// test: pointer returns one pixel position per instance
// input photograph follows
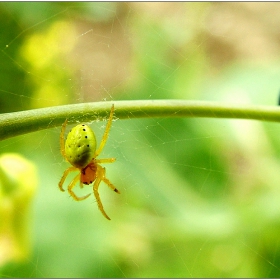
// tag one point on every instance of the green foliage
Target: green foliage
(18, 182)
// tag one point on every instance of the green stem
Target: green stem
(17, 123)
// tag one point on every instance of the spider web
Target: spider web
(199, 197)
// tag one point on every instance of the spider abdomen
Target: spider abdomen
(80, 145)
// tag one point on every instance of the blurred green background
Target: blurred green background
(199, 197)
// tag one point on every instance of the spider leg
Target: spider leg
(106, 181)
(106, 133)
(96, 194)
(65, 174)
(105, 160)
(62, 144)
(72, 185)
(110, 185)
(101, 177)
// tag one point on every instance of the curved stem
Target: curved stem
(17, 123)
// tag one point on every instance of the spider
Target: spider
(80, 151)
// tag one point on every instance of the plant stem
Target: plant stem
(17, 123)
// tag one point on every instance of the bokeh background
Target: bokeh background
(199, 197)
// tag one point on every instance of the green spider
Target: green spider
(80, 151)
